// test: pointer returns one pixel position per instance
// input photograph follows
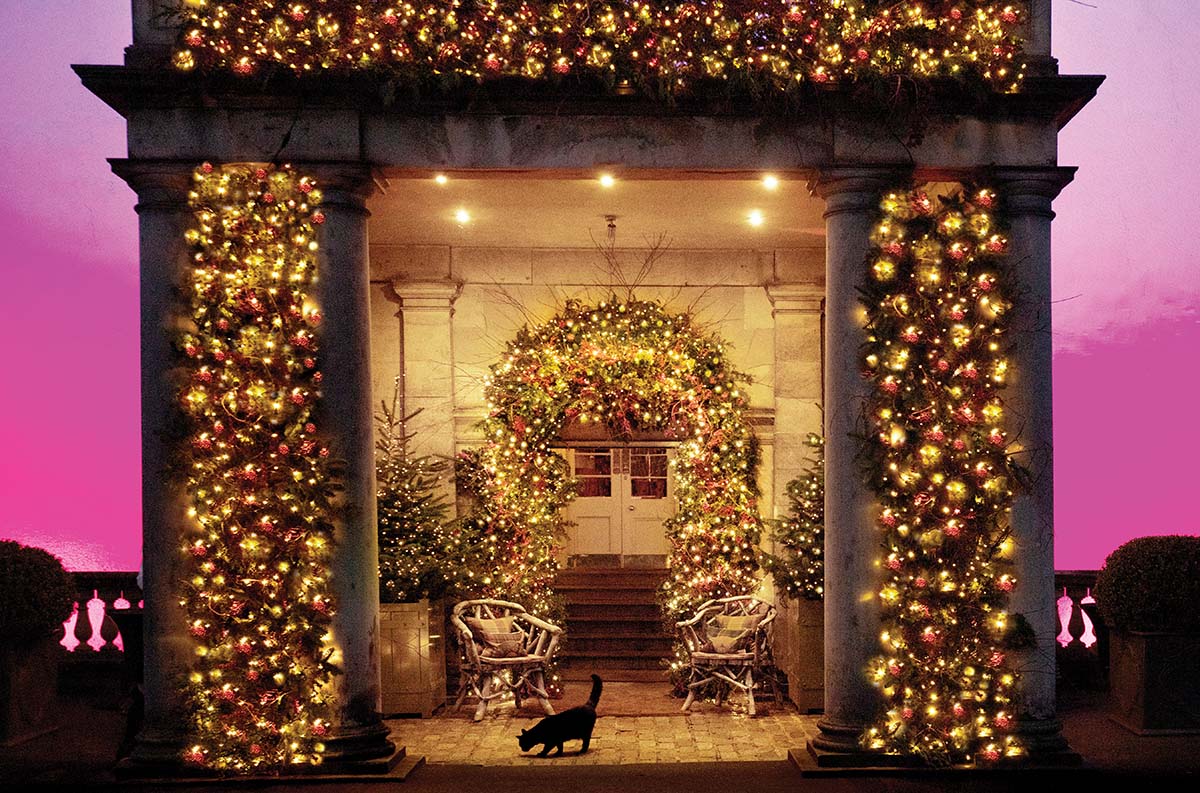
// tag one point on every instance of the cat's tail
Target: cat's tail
(597, 687)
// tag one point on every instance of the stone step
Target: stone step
(604, 626)
(615, 659)
(621, 611)
(614, 596)
(610, 578)
(579, 672)
(605, 645)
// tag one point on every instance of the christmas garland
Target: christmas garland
(667, 47)
(627, 365)
(257, 593)
(937, 300)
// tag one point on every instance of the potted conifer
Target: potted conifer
(37, 598)
(1148, 592)
(797, 566)
(419, 555)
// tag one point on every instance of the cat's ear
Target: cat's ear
(522, 733)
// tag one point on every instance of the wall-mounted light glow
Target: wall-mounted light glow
(755, 218)
(462, 217)
(770, 181)
(441, 178)
(607, 180)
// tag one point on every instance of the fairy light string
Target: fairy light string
(258, 545)
(667, 47)
(938, 297)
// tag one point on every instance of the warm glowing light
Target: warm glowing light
(462, 217)
(770, 182)
(441, 179)
(755, 218)
(941, 477)
(607, 180)
(671, 47)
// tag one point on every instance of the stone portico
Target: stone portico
(397, 304)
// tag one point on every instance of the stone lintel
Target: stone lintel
(427, 295)
(795, 298)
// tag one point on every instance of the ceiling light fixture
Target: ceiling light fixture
(462, 217)
(441, 178)
(607, 180)
(770, 181)
(755, 218)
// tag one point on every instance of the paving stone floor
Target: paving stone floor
(706, 734)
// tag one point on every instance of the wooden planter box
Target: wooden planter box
(29, 690)
(412, 650)
(1155, 688)
(799, 649)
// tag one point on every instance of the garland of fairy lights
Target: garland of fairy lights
(627, 365)
(937, 300)
(257, 593)
(667, 47)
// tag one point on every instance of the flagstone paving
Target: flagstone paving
(707, 734)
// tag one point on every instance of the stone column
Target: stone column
(797, 310)
(427, 353)
(1038, 54)
(163, 218)
(342, 291)
(852, 546)
(1026, 197)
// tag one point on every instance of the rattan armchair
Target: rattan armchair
(731, 660)
(516, 661)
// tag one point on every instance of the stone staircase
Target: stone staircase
(614, 625)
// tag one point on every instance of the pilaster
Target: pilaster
(1027, 196)
(163, 218)
(851, 545)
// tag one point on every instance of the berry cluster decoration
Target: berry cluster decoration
(937, 299)
(627, 365)
(665, 47)
(798, 562)
(258, 476)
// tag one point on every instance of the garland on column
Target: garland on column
(257, 593)
(937, 301)
(667, 47)
(627, 365)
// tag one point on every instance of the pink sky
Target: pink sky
(1126, 275)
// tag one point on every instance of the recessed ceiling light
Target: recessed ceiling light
(462, 217)
(441, 178)
(770, 181)
(607, 180)
(755, 218)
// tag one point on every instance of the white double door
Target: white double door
(625, 494)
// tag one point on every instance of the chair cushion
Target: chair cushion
(727, 633)
(497, 636)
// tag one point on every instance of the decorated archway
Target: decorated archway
(628, 365)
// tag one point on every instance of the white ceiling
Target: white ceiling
(520, 211)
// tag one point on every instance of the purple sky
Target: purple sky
(1126, 275)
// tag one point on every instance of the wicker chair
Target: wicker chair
(728, 643)
(511, 661)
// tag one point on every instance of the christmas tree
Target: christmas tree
(798, 563)
(420, 550)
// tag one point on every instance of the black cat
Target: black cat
(573, 724)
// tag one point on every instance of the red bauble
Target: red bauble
(269, 198)
(310, 427)
(894, 670)
(283, 448)
(561, 67)
(260, 174)
(206, 167)
(959, 710)
(920, 582)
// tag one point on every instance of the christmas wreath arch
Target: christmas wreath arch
(628, 365)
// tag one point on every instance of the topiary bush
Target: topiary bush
(1152, 584)
(37, 593)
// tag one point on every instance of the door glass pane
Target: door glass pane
(648, 472)
(593, 470)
